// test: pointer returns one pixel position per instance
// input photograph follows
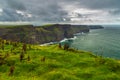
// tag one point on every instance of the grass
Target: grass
(14, 26)
(53, 63)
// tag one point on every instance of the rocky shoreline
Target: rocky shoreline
(43, 34)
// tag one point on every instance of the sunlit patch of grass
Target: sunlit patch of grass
(53, 63)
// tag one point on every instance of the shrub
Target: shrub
(11, 71)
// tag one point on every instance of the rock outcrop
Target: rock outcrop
(42, 34)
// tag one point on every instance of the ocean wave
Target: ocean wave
(94, 34)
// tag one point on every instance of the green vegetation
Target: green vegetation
(47, 25)
(40, 34)
(14, 26)
(20, 61)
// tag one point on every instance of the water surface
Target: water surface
(104, 42)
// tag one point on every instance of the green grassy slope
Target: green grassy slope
(53, 63)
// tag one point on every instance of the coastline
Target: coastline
(43, 34)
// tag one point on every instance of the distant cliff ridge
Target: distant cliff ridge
(43, 34)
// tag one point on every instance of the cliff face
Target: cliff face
(95, 27)
(41, 34)
(57, 32)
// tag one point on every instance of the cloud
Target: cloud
(97, 4)
(59, 10)
(16, 4)
(114, 11)
(94, 4)
(36, 10)
(13, 15)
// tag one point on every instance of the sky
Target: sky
(60, 11)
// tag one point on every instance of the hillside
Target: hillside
(42, 34)
(20, 61)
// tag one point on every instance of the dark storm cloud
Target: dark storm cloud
(45, 10)
(114, 12)
(12, 15)
(16, 4)
(112, 6)
(52, 10)
(95, 4)
(100, 4)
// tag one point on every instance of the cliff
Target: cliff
(41, 34)
(95, 26)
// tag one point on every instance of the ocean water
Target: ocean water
(105, 42)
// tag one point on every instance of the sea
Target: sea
(104, 42)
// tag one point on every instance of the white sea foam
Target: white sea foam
(73, 38)
(50, 43)
(65, 39)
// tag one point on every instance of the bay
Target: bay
(105, 42)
